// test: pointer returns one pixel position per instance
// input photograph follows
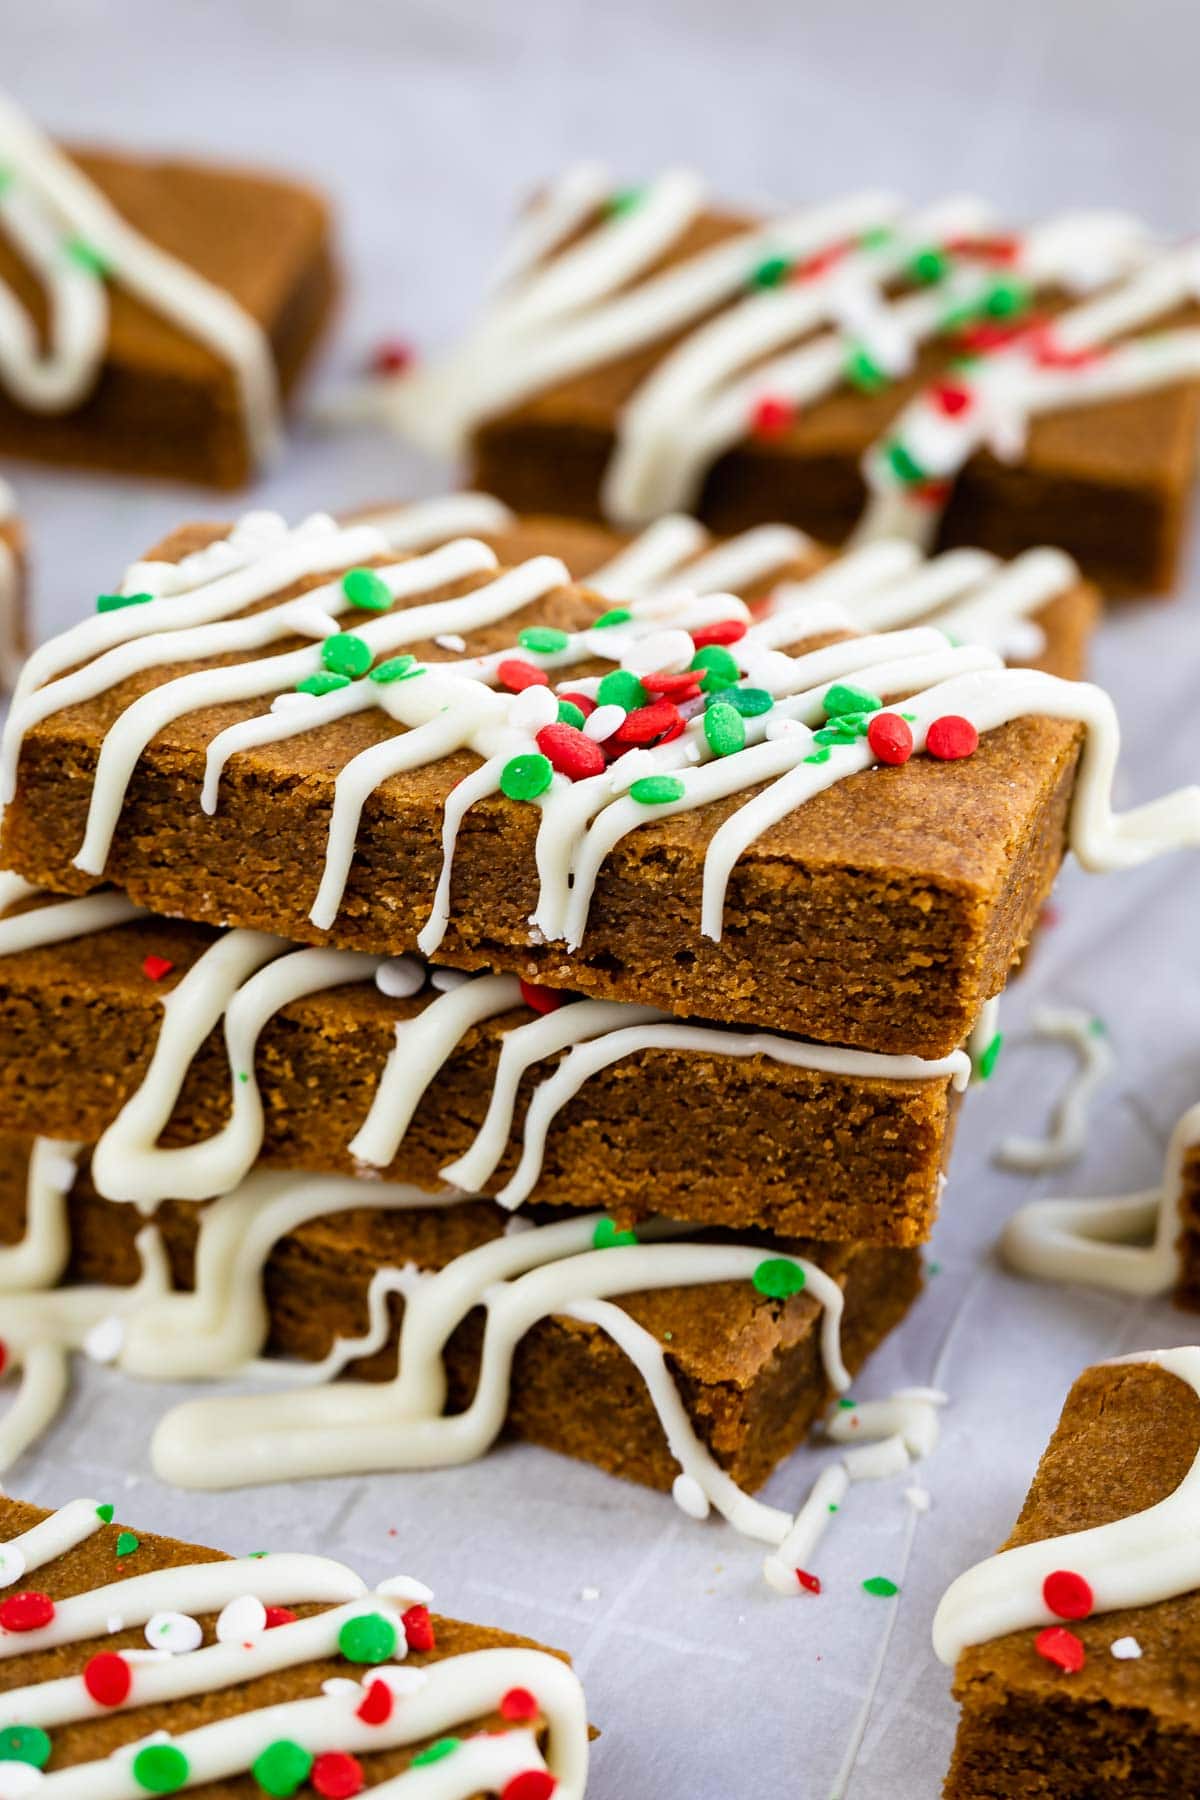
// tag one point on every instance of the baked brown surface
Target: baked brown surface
(787, 1149)
(1109, 482)
(165, 404)
(749, 1369)
(95, 1564)
(881, 914)
(1127, 1437)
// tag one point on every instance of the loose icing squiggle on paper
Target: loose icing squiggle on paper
(1066, 1140)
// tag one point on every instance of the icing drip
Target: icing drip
(1136, 1561)
(74, 241)
(1068, 1135)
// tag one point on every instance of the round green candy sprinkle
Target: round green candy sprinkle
(778, 1278)
(616, 615)
(346, 654)
(525, 777)
(771, 271)
(282, 1768)
(127, 1543)
(25, 1744)
(928, 266)
(365, 589)
(86, 256)
(724, 729)
(368, 1638)
(396, 668)
(606, 1235)
(160, 1768)
(843, 698)
(570, 714)
(1006, 299)
(880, 1586)
(656, 790)
(903, 464)
(323, 682)
(864, 373)
(620, 687)
(715, 659)
(106, 603)
(435, 1752)
(105, 1512)
(749, 701)
(543, 640)
(990, 1056)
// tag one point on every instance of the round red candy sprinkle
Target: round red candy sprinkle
(1060, 1647)
(107, 1678)
(571, 752)
(723, 631)
(375, 1707)
(516, 675)
(279, 1615)
(418, 1628)
(3, 1356)
(518, 1706)
(951, 397)
(584, 702)
(392, 357)
(27, 1611)
(530, 1784)
(1067, 1594)
(771, 416)
(951, 737)
(668, 686)
(889, 737)
(646, 724)
(541, 999)
(336, 1775)
(810, 1583)
(155, 967)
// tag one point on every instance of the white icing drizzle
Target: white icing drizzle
(40, 1257)
(1095, 1063)
(1140, 1560)
(60, 224)
(51, 1537)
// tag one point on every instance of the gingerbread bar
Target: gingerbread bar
(166, 308)
(742, 1324)
(13, 634)
(852, 366)
(132, 1664)
(1073, 1648)
(753, 836)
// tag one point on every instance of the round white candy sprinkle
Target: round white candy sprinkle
(601, 724)
(12, 1564)
(104, 1342)
(450, 640)
(630, 768)
(665, 651)
(532, 708)
(446, 980)
(589, 1593)
(690, 1497)
(340, 1684)
(175, 1631)
(18, 1779)
(404, 1587)
(245, 1617)
(1126, 1649)
(400, 976)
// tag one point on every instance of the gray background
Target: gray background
(424, 122)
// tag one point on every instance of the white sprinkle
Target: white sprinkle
(245, 1617)
(532, 708)
(450, 640)
(1126, 1649)
(403, 1587)
(401, 1681)
(668, 651)
(589, 1593)
(446, 980)
(341, 1684)
(113, 1624)
(601, 724)
(290, 702)
(918, 1498)
(690, 1497)
(104, 1342)
(175, 1632)
(18, 1779)
(12, 1564)
(631, 767)
(400, 976)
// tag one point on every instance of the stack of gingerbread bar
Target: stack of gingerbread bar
(604, 922)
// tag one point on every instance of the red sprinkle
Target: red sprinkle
(951, 397)
(107, 1678)
(541, 999)
(279, 1615)
(951, 737)
(418, 1628)
(156, 967)
(646, 724)
(771, 416)
(988, 334)
(1067, 1594)
(27, 1611)
(683, 686)
(1048, 353)
(820, 262)
(375, 1707)
(889, 737)
(3, 1356)
(392, 357)
(516, 675)
(722, 631)
(584, 702)
(518, 1706)
(810, 1583)
(1061, 1647)
(530, 1784)
(930, 493)
(571, 752)
(337, 1775)
(1000, 248)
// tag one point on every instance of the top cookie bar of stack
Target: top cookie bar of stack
(846, 836)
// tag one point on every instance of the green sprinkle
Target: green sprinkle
(368, 1638)
(323, 682)
(846, 1404)
(928, 266)
(749, 701)
(778, 1278)
(525, 777)
(843, 698)
(160, 1768)
(616, 615)
(986, 1063)
(840, 732)
(396, 668)
(668, 1337)
(127, 1543)
(1006, 299)
(365, 589)
(724, 729)
(441, 1747)
(819, 756)
(833, 1506)
(543, 640)
(624, 201)
(1097, 1028)
(346, 654)
(570, 714)
(105, 1512)
(880, 1585)
(117, 602)
(935, 1268)
(771, 271)
(606, 1235)
(656, 790)
(903, 464)
(26, 1744)
(86, 256)
(864, 373)
(620, 687)
(282, 1768)
(876, 238)
(718, 668)
(911, 717)
(255, 1554)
